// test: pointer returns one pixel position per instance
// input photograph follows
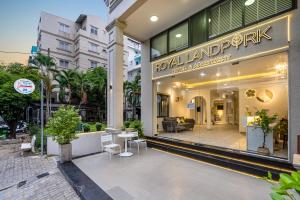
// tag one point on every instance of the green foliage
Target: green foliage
(132, 93)
(86, 128)
(12, 103)
(62, 126)
(137, 125)
(288, 186)
(263, 121)
(126, 124)
(98, 126)
(36, 130)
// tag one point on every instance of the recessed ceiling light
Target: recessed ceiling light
(202, 74)
(178, 35)
(249, 2)
(218, 74)
(153, 18)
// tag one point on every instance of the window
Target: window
(94, 64)
(179, 37)
(163, 105)
(77, 46)
(261, 9)
(225, 17)
(77, 62)
(93, 47)
(159, 46)
(198, 28)
(64, 45)
(64, 63)
(64, 28)
(94, 30)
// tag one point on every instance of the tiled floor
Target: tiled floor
(226, 136)
(156, 175)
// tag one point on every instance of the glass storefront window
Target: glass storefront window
(163, 105)
(159, 46)
(179, 37)
(218, 105)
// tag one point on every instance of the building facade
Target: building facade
(74, 45)
(211, 70)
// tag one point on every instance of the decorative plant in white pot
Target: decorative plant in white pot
(62, 127)
(264, 121)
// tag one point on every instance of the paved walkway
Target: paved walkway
(156, 175)
(32, 178)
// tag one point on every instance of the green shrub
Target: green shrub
(138, 126)
(34, 129)
(86, 128)
(98, 126)
(62, 126)
(127, 124)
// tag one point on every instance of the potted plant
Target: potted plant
(264, 121)
(62, 127)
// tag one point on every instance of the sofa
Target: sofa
(177, 124)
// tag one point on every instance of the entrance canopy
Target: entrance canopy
(168, 12)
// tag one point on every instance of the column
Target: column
(115, 74)
(147, 96)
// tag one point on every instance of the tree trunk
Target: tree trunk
(47, 106)
(12, 128)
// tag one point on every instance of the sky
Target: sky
(19, 22)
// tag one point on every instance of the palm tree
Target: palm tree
(133, 92)
(82, 86)
(66, 81)
(47, 68)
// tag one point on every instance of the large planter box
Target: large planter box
(255, 139)
(87, 143)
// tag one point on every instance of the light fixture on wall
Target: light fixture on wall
(249, 2)
(218, 74)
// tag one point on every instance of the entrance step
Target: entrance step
(230, 159)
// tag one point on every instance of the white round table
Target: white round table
(126, 136)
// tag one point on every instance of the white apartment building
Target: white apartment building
(79, 44)
(133, 50)
(82, 44)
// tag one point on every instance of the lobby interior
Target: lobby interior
(216, 105)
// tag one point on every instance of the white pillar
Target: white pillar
(147, 101)
(115, 74)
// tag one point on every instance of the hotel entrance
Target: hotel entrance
(220, 105)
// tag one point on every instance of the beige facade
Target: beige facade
(81, 44)
(132, 18)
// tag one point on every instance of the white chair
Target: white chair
(108, 145)
(136, 140)
(28, 146)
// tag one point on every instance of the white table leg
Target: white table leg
(126, 153)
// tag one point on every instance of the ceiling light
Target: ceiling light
(218, 74)
(178, 35)
(202, 74)
(153, 18)
(249, 2)
(209, 20)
